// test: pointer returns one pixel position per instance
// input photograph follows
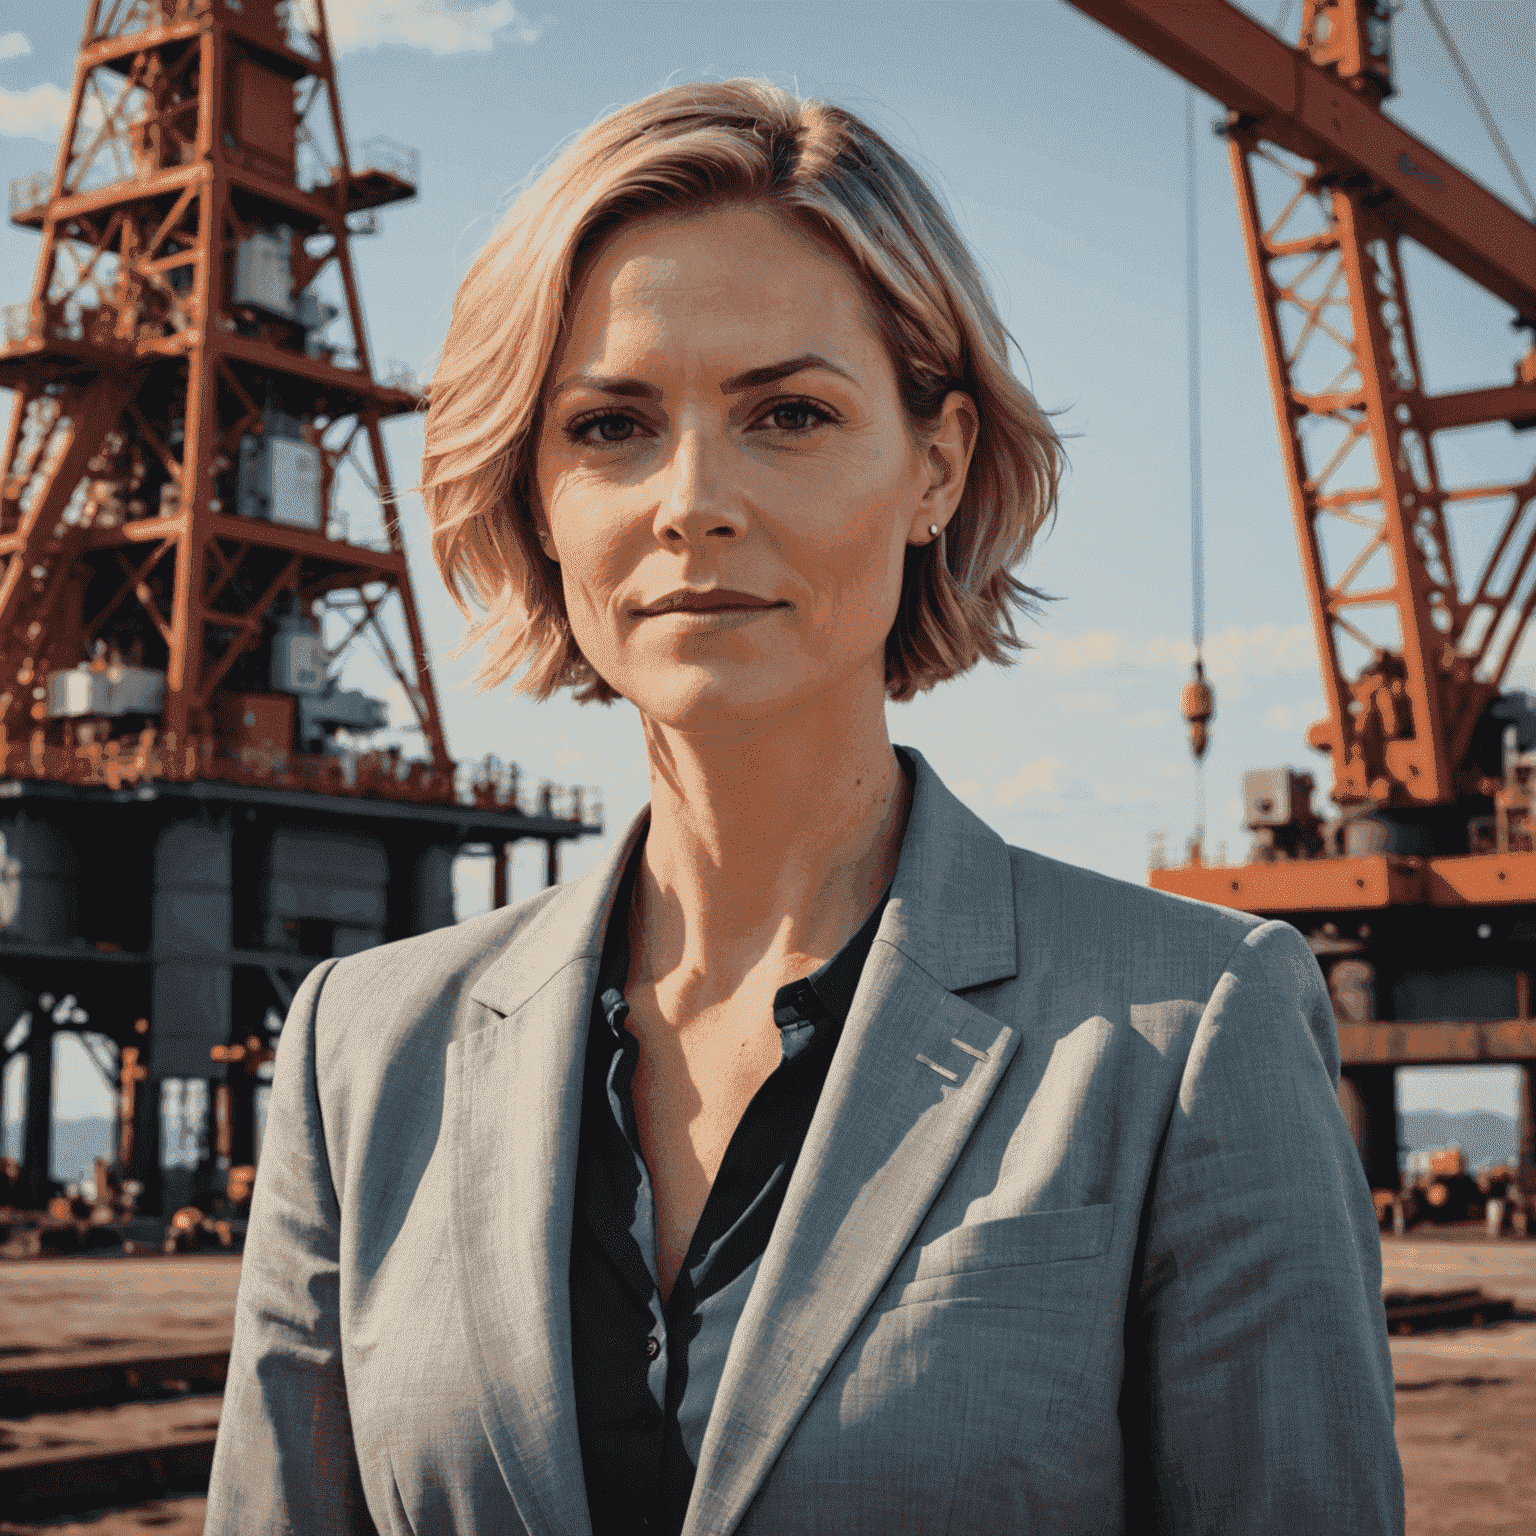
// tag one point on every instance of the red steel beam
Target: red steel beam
(356, 382)
(1305, 108)
(1475, 407)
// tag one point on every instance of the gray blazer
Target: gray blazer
(1078, 1242)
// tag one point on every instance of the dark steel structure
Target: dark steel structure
(191, 811)
(1420, 895)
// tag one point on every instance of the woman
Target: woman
(819, 1162)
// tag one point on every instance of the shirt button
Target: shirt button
(652, 1347)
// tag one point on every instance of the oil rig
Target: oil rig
(192, 813)
(1418, 893)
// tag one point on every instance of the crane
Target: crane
(193, 811)
(1419, 895)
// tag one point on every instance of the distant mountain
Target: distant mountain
(1485, 1137)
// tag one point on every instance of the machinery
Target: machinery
(193, 809)
(1419, 893)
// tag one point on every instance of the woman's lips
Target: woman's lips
(716, 600)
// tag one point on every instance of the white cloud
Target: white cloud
(13, 45)
(1266, 650)
(432, 25)
(1261, 650)
(36, 113)
(1069, 653)
(1034, 778)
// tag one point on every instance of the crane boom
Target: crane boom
(1308, 109)
(1412, 649)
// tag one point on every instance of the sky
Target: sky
(1060, 152)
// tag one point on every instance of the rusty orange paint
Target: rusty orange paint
(203, 158)
(1303, 885)
(1487, 879)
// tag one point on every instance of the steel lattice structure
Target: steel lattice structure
(191, 818)
(1432, 644)
(139, 373)
(1419, 897)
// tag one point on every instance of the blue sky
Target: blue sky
(1061, 153)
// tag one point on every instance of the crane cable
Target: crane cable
(1510, 164)
(1198, 701)
(1192, 327)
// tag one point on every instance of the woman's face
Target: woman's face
(725, 472)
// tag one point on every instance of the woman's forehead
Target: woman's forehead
(713, 283)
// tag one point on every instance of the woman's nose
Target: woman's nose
(697, 501)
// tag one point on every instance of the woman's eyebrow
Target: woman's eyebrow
(772, 372)
(753, 378)
(636, 389)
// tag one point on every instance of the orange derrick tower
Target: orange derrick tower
(192, 811)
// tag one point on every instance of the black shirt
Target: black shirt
(646, 1374)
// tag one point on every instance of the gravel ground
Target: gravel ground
(1466, 1398)
(180, 1515)
(54, 1310)
(1467, 1434)
(113, 1427)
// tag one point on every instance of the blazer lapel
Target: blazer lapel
(516, 1104)
(899, 1103)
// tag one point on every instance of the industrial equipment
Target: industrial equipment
(193, 810)
(1419, 895)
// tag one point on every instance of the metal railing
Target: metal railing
(493, 784)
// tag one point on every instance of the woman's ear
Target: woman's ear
(948, 461)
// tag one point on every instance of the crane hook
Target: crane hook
(1197, 702)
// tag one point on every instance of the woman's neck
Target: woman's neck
(768, 845)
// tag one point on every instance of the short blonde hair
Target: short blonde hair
(680, 151)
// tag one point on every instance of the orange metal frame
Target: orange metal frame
(1358, 884)
(1412, 651)
(133, 367)
(1360, 452)
(1430, 644)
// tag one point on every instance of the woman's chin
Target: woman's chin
(698, 700)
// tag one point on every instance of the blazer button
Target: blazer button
(652, 1347)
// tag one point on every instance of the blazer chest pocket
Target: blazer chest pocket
(975, 1261)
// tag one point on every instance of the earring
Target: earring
(933, 530)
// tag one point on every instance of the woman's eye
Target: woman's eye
(603, 429)
(796, 416)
